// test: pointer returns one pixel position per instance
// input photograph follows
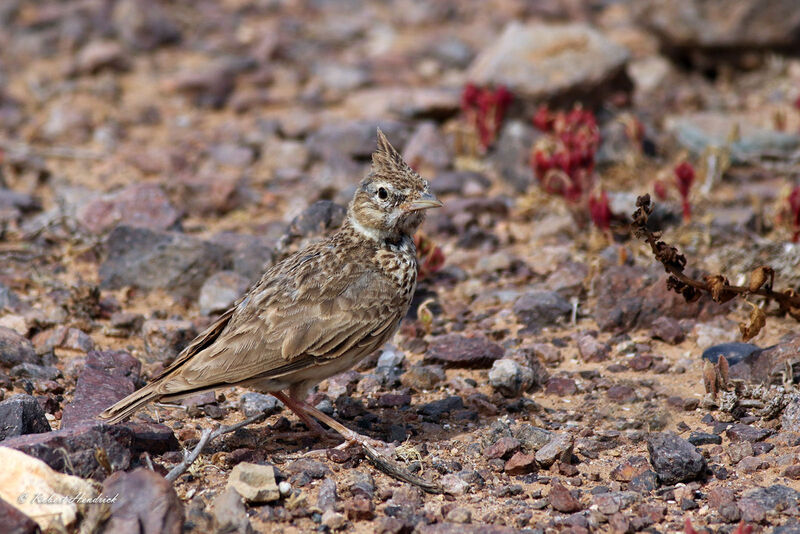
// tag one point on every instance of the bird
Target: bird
(316, 313)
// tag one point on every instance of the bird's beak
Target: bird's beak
(425, 201)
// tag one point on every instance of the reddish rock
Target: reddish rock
(520, 464)
(142, 205)
(394, 400)
(72, 450)
(793, 472)
(592, 350)
(15, 522)
(629, 469)
(640, 362)
(107, 377)
(145, 503)
(720, 496)
(502, 448)
(741, 432)
(751, 464)
(667, 329)
(632, 297)
(561, 386)
(62, 337)
(454, 350)
(562, 500)
(621, 394)
(359, 508)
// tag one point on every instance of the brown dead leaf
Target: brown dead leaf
(757, 321)
(718, 286)
(759, 276)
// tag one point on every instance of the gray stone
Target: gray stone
(340, 78)
(253, 403)
(452, 52)
(667, 329)
(31, 370)
(701, 130)
(719, 25)
(790, 419)
(359, 483)
(316, 219)
(454, 485)
(545, 61)
(538, 309)
(144, 24)
(15, 348)
(426, 148)
(256, 483)
(232, 154)
(97, 56)
(757, 502)
(558, 448)
(326, 498)
(8, 301)
(673, 458)
(423, 377)
(18, 202)
(21, 414)
(230, 514)
(142, 258)
(532, 438)
(459, 182)
(251, 255)
(356, 138)
(390, 357)
(221, 290)
(510, 378)
(166, 338)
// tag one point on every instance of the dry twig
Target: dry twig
(208, 435)
(761, 279)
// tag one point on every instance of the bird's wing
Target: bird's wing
(293, 323)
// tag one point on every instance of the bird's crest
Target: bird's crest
(387, 161)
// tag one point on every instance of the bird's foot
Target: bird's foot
(376, 445)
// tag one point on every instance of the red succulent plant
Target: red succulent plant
(484, 109)
(684, 178)
(564, 160)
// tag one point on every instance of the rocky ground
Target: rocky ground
(155, 156)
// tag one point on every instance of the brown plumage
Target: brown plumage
(319, 311)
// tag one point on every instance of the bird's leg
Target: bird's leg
(306, 411)
(298, 408)
(378, 452)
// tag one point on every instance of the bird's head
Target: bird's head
(391, 201)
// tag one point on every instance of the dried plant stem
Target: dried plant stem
(721, 291)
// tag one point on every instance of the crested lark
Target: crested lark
(316, 313)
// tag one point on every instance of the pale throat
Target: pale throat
(373, 234)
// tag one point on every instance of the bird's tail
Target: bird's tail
(130, 404)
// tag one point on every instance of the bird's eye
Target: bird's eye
(382, 193)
